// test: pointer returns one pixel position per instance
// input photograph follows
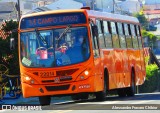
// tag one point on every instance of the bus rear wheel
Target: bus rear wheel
(131, 90)
(45, 100)
(122, 92)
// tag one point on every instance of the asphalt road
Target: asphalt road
(145, 103)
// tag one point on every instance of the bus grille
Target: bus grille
(57, 88)
(46, 81)
(66, 72)
(62, 78)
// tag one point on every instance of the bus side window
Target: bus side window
(115, 38)
(128, 36)
(107, 34)
(134, 38)
(94, 41)
(121, 35)
(139, 36)
(100, 34)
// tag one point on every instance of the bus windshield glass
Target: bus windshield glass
(54, 48)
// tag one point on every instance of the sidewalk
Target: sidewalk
(32, 100)
(8, 100)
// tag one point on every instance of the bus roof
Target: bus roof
(91, 13)
(52, 12)
(112, 16)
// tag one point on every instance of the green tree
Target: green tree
(142, 19)
(151, 36)
(10, 57)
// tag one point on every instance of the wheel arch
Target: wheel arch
(106, 77)
(133, 76)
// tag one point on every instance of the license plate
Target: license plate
(46, 74)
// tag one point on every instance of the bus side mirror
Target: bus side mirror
(95, 30)
(12, 44)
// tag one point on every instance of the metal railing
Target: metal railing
(9, 84)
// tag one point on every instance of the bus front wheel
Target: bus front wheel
(45, 100)
(101, 96)
(82, 96)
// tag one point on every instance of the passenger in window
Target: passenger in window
(82, 47)
(79, 41)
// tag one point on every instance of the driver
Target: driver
(63, 48)
(79, 41)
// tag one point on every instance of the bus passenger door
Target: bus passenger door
(97, 59)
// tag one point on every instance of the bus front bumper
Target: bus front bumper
(58, 89)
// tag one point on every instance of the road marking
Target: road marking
(143, 102)
(120, 102)
(105, 102)
(61, 111)
(56, 111)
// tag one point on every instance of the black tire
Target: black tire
(82, 96)
(101, 96)
(45, 100)
(75, 97)
(131, 90)
(121, 92)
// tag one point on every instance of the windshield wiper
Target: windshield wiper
(41, 37)
(64, 32)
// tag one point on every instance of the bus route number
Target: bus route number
(46, 74)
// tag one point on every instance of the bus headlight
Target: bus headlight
(27, 79)
(86, 72)
(84, 75)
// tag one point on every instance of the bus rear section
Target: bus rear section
(118, 52)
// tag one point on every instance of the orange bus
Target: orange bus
(78, 52)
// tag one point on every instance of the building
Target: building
(58, 5)
(119, 6)
(130, 6)
(152, 11)
(151, 6)
(30, 5)
(152, 2)
(69, 4)
(153, 16)
(8, 11)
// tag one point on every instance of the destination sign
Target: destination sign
(52, 20)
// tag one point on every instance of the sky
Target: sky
(8, 0)
(146, 1)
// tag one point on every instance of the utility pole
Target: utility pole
(102, 4)
(113, 5)
(19, 11)
(92, 4)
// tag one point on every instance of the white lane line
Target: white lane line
(2, 110)
(56, 111)
(121, 102)
(61, 111)
(105, 102)
(143, 102)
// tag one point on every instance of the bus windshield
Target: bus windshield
(54, 48)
